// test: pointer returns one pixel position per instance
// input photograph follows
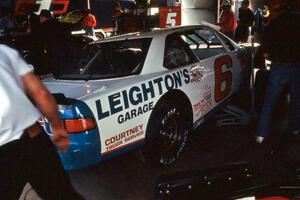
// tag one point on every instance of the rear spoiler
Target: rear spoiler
(210, 25)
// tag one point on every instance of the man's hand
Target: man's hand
(61, 138)
(48, 107)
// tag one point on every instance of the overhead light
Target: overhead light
(153, 11)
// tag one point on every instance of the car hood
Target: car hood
(77, 89)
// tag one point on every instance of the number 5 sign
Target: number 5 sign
(169, 16)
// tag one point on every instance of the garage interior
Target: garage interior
(211, 145)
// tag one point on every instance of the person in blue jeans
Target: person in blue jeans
(281, 44)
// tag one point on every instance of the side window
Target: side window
(194, 41)
(204, 43)
(176, 54)
(227, 43)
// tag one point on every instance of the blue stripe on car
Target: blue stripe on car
(85, 148)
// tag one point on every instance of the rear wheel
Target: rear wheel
(100, 36)
(166, 134)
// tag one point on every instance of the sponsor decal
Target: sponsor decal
(198, 106)
(196, 75)
(45, 124)
(205, 103)
(117, 141)
(138, 94)
(207, 93)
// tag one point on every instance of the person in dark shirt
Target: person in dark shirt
(246, 20)
(8, 23)
(118, 17)
(281, 44)
(55, 39)
(37, 56)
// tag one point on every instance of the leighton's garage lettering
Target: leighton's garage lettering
(114, 101)
(148, 89)
(138, 94)
(135, 95)
(158, 83)
(135, 112)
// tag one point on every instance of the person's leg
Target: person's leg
(87, 31)
(230, 35)
(245, 34)
(45, 171)
(294, 91)
(237, 34)
(12, 180)
(93, 32)
(273, 91)
(90, 31)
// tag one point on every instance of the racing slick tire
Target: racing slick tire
(100, 36)
(166, 134)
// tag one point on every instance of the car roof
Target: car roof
(154, 33)
(155, 56)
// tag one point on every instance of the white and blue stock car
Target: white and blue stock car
(146, 90)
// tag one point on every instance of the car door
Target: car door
(178, 55)
(216, 66)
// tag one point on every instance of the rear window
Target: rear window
(108, 60)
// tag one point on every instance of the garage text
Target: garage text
(138, 94)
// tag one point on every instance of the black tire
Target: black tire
(100, 36)
(166, 135)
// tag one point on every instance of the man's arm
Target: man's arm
(48, 107)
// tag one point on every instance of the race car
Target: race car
(145, 91)
(73, 20)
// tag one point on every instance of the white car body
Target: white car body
(122, 106)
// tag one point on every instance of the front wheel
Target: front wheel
(100, 36)
(166, 134)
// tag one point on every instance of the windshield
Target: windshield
(108, 60)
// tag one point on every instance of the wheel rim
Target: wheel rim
(169, 139)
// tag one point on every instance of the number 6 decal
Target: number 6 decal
(222, 78)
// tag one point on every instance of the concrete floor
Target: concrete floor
(126, 178)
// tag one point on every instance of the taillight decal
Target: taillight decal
(79, 125)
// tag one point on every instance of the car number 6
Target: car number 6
(222, 78)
